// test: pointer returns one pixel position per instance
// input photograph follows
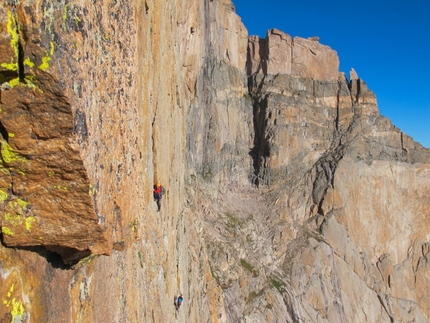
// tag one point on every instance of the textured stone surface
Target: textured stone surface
(278, 53)
(336, 229)
(289, 198)
(45, 186)
(104, 92)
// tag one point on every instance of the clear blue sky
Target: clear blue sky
(386, 42)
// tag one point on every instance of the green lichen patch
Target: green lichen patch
(3, 195)
(13, 160)
(276, 282)
(249, 267)
(28, 62)
(23, 204)
(84, 261)
(92, 190)
(4, 170)
(29, 81)
(47, 58)
(233, 223)
(7, 231)
(246, 265)
(14, 82)
(28, 222)
(9, 155)
(16, 307)
(45, 62)
(17, 310)
(13, 219)
(66, 7)
(12, 30)
(140, 259)
(12, 66)
(134, 225)
(71, 17)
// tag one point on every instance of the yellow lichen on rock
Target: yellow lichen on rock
(47, 58)
(9, 155)
(12, 27)
(14, 219)
(28, 62)
(59, 187)
(7, 231)
(23, 204)
(92, 190)
(12, 304)
(3, 195)
(28, 222)
(10, 66)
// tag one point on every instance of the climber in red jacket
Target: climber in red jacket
(158, 194)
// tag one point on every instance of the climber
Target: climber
(158, 194)
(179, 302)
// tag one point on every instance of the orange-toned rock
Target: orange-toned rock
(46, 189)
(288, 197)
(278, 53)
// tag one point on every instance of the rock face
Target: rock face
(338, 175)
(278, 53)
(289, 197)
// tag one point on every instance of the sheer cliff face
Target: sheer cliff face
(99, 100)
(340, 229)
(95, 100)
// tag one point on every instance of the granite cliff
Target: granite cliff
(289, 197)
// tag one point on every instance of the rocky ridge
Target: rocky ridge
(290, 198)
(305, 247)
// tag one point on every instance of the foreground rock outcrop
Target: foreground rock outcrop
(289, 197)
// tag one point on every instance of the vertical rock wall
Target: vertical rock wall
(100, 100)
(340, 233)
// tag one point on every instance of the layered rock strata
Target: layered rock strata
(338, 230)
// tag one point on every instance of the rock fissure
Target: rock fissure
(384, 306)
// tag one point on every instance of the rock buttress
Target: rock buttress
(46, 192)
(125, 77)
(332, 228)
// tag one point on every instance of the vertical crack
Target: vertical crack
(337, 108)
(20, 59)
(3, 132)
(404, 150)
(385, 308)
(261, 150)
(154, 148)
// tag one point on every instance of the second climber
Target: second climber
(159, 191)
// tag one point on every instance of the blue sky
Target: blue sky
(386, 42)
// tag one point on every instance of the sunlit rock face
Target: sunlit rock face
(289, 198)
(279, 53)
(99, 101)
(338, 230)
